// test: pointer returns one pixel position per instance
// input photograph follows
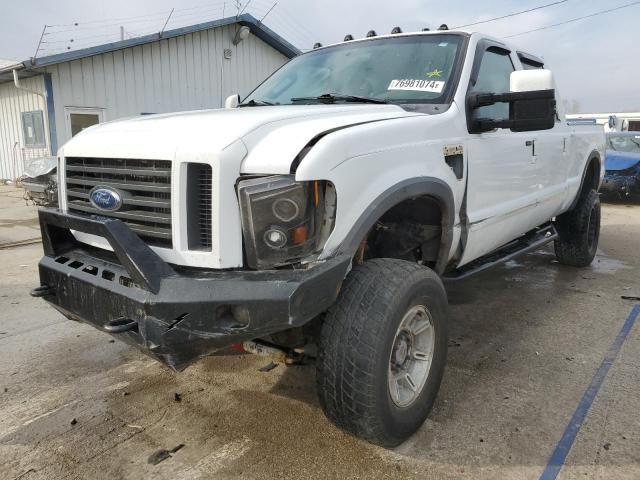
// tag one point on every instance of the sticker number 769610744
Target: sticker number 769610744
(417, 85)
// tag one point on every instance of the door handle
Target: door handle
(532, 144)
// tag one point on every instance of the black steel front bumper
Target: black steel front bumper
(176, 315)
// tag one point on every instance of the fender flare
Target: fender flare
(593, 154)
(405, 190)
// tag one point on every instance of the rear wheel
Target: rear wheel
(579, 232)
(383, 350)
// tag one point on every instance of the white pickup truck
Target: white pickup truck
(326, 209)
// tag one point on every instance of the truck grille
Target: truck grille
(146, 189)
(199, 206)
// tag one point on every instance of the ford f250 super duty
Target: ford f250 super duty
(325, 209)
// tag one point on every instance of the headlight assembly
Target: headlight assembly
(282, 219)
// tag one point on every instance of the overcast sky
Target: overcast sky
(594, 61)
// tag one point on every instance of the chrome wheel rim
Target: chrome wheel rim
(411, 356)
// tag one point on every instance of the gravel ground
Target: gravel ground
(527, 338)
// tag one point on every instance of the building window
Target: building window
(80, 121)
(33, 129)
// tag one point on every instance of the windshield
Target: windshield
(624, 143)
(411, 69)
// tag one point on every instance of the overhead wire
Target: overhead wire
(158, 13)
(268, 12)
(82, 40)
(512, 14)
(602, 12)
(288, 23)
(78, 26)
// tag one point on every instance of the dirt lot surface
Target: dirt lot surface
(526, 341)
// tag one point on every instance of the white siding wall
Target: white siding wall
(12, 103)
(182, 73)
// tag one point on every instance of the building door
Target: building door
(77, 119)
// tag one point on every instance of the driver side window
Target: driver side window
(494, 77)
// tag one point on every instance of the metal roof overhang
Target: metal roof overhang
(6, 74)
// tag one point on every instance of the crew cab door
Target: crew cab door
(502, 172)
(549, 151)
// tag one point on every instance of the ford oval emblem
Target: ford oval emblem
(106, 199)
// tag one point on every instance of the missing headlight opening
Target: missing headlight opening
(284, 221)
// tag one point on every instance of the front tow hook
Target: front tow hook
(42, 291)
(120, 325)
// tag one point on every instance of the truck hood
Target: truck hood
(273, 136)
(615, 161)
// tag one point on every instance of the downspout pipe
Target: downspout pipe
(19, 86)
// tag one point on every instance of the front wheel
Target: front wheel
(579, 232)
(383, 350)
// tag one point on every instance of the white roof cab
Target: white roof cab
(326, 207)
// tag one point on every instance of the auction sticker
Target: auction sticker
(417, 85)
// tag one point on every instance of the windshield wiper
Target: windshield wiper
(337, 97)
(256, 103)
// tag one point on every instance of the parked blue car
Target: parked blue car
(622, 165)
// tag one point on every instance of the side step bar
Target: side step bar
(531, 241)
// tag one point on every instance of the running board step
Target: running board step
(531, 241)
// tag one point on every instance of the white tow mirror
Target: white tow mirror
(232, 101)
(531, 80)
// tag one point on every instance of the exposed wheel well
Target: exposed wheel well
(410, 230)
(592, 175)
(590, 179)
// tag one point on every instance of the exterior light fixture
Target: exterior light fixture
(241, 34)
